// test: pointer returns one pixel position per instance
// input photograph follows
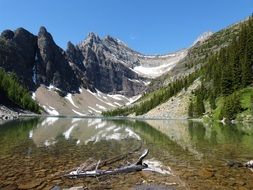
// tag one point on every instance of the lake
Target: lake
(36, 153)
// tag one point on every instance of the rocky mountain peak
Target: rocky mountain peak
(7, 34)
(45, 38)
(52, 65)
(93, 38)
(19, 58)
(42, 30)
(110, 39)
(74, 54)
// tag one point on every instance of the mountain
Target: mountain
(93, 76)
(213, 80)
(105, 76)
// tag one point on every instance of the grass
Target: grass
(219, 103)
(245, 100)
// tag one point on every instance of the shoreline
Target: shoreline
(8, 114)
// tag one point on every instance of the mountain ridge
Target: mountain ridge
(96, 66)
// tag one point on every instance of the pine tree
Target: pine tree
(190, 109)
(251, 98)
(212, 101)
(200, 108)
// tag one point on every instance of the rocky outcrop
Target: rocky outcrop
(52, 66)
(108, 64)
(17, 54)
(75, 55)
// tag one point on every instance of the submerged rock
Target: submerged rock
(234, 164)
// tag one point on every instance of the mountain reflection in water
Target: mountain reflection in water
(35, 149)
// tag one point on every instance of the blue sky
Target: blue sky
(148, 26)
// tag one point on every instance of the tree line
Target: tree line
(226, 72)
(15, 92)
(157, 98)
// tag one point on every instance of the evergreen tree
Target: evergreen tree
(200, 108)
(190, 109)
(251, 100)
(212, 101)
(15, 92)
(231, 107)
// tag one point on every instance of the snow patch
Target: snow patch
(51, 110)
(69, 98)
(78, 113)
(154, 72)
(134, 80)
(110, 104)
(33, 96)
(147, 83)
(156, 67)
(101, 107)
(93, 109)
(52, 87)
(116, 103)
(133, 99)
(116, 96)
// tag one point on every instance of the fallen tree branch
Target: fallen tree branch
(138, 166)
(88, 166)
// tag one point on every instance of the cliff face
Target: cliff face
(17, 51)
(108, 64)
(52, 66)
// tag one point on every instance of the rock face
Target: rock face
(51, 64)
(108, 64)
(17, 52)
(103, 64)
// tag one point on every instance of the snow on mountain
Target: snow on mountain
(155, 66)
(83, 103)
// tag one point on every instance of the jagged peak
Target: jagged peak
(22, 31)
(90, 39)
(114, 40)
(7, 34)
(70, 45)
(93, 36)
(110, 38)
(43, 30)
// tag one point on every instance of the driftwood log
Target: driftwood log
(81, 172)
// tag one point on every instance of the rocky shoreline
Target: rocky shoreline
(7, 113)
